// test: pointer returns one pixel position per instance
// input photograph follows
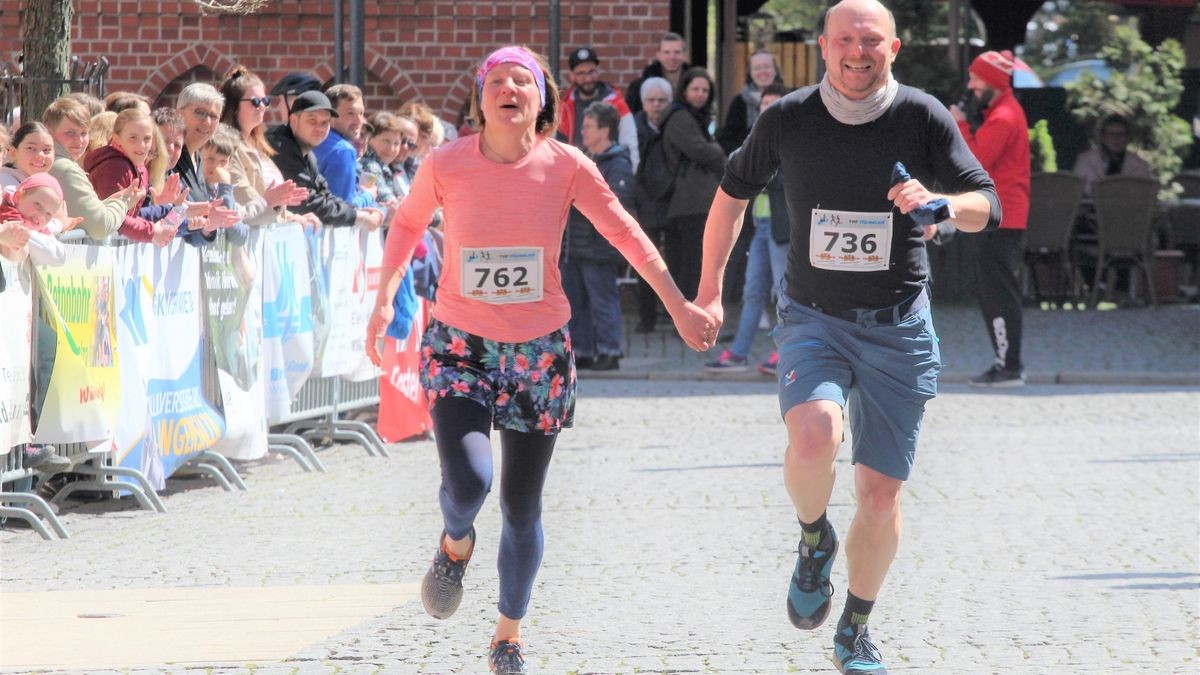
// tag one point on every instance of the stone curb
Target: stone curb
(1134, 379)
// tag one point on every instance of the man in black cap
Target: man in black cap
(307, 127)
(587, 88)
(292, 85)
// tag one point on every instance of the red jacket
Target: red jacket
(1001, 144)
(566, 121)
(9, 211)
(110, 171)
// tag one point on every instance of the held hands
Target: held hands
(697, 327)
(381, 318)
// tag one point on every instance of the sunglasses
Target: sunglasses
(409, 143)
(259, 101)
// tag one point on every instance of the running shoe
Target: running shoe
(506, 658)
(727, 362)
(810, 590)
(854, 653)
(998, 377)
(441, 590)
(768, 367)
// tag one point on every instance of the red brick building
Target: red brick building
(414, 49)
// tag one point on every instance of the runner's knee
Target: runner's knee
(814, 431)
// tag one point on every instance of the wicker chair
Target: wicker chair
(1125, 207)
(1053, 205)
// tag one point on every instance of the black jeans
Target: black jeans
(685, 252)
(997, 256)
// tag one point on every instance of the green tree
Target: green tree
(1145, 86)
(1067, 30)
(46, 46)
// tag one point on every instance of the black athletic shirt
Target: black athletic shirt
(829, 165)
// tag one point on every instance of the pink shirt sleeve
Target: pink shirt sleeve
(413, 216)
(596, 201)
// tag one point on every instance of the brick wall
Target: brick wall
(422, 49)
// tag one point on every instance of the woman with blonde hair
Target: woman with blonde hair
(497, 353)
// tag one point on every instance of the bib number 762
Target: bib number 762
(851, 242)
(502, 277)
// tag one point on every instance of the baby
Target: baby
(37, 204)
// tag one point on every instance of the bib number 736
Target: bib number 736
(850, 241)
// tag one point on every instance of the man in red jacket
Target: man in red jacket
(996, 130)
(587, 88)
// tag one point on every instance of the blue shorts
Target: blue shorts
(884, 374)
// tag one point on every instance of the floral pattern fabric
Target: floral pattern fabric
(529, 386)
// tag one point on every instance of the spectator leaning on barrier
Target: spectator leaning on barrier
(37, 205)
(587, 88)
(336, 156)
(31, 150)
(670, 63)
(122, 162)
(216, 155)
(375, 166)
(307, 127)
(200, 105)
(67, 120)
(258, 186)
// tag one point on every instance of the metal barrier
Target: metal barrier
(314, 413)
(26, 506)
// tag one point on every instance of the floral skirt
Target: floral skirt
(529, 386)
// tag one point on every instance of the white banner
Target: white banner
(233, 297)
(340, 259)
(16, 306)
(134, 444)
(287, 307)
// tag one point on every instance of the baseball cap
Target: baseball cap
(295, 83)
(310, 101)
(582, 55)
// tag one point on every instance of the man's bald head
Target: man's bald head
(857, 7)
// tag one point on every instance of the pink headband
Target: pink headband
(519, 56)
(41, 180)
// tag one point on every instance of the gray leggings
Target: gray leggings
(463, 429)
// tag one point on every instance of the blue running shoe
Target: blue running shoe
(810, 590)
(855, 654)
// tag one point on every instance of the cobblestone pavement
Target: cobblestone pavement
(1052, 529)
(1126, 346)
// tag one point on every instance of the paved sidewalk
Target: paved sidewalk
(1158, 346)
(1048, 530)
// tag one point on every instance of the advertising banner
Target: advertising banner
(233, 304)
(76, 306)
(403, 412)
(287, 317)
(16, 306)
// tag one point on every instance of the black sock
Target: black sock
(814, 532)
(857, 610)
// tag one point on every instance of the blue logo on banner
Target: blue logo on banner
(184, 421)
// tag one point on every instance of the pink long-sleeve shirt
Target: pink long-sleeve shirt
(524, 204)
